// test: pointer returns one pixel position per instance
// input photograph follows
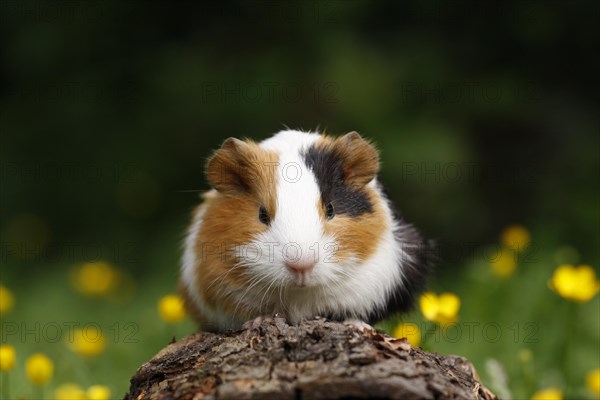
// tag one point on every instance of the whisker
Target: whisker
(263, 298)
(253, 282)
(223, 275)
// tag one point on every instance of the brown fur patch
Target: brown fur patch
(361, 159)
(358, 236)
(242, 167)
(231, 219)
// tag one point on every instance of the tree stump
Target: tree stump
(317, 359)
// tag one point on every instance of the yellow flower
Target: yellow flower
(98, 392)
(7, 300)
(442, 309)
(548, 394)
(525, 355)
(88, 342)
(409, 331)
(504, 264)
(592, 381)
(575, 283)
(95, 278)
(39, 369)
(7, 357)
(171, 308)
(515, 236)
(69, 391)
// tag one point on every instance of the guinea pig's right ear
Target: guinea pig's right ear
(225, 171)
(361, 159)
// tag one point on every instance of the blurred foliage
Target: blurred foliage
(486, 115)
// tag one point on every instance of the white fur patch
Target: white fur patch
(189, 274)
(355, 289)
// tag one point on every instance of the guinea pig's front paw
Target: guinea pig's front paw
(258, 321)
(358, 325)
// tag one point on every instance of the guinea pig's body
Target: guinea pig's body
(298, 224)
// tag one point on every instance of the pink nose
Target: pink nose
(299, 267)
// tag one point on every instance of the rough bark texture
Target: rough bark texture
(318, 359)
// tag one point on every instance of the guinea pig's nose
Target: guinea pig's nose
(300, 267)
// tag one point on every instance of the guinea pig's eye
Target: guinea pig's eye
(329, 211)
(263, 216)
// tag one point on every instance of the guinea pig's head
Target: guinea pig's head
(297, 210)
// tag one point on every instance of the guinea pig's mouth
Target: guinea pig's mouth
(301, 273)
(301, 279)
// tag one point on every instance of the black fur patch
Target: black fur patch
(416, 267)
(328, 169)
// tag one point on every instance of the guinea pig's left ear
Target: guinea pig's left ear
(360, 159)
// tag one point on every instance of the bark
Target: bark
(318, 359)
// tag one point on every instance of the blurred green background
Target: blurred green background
(486, 115)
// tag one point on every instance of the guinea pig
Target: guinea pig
(298, 225)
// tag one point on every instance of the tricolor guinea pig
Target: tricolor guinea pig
(299, 225)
